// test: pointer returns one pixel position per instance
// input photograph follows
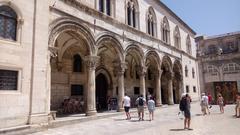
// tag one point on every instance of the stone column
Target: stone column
(120, 72)
(91, 62)
(158, 88)
(142, 72)
(170, 88)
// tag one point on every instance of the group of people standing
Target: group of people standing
(206, 104)
(141, 103)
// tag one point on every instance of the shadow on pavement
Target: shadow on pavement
(181, 129)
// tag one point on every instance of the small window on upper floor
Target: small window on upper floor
(189, 46)
(165, 31)
(193, 73)
(106, 7)
(177, 38)
(8, 23)
(151, 22)
(186, 71)
(132, 13)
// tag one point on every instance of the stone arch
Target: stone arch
(138, 51)
(14, 7)
(110, 38)
(64, 24)
(103, 70)
(177, 81)
(166, 80)
(152, 63)
(153, 54)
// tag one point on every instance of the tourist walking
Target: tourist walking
(209, 100)
(220, 102)
(127, 104)
(140, 102)
(204, 104)
(185, 107)
(237, 108)
(151, 108)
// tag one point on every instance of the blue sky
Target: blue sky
(208, 17)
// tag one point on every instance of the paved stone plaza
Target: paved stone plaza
(166, 122)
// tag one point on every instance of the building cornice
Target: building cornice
(176, 17)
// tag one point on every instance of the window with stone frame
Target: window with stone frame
(106, 6)
(132, 13)
(187, 89)
(77, 63)
(212, 49)
(189, 46)
(193, 73)
(8, 23)
(165, 30)
(8, 79)
(194, 89)
(231, 68)
(177, 38)
(151, 20)
(186, 71)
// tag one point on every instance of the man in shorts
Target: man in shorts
(140, 102)
(127, 104)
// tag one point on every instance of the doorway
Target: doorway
(101, 92)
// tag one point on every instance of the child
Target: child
(151, 108)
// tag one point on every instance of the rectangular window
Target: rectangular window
(76, 90)
(194, 89)
(187, 89)
(116, 90)
(136, 90)
(8, 79)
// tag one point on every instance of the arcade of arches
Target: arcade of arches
(92, 70)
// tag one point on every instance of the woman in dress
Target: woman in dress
(221, 103)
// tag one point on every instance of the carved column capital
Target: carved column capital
(119, 68)
(91, 61)
(142, 70)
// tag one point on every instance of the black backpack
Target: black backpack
(182, 104)
(140, 102)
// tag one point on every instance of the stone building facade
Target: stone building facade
(91, 50)
(219, 64)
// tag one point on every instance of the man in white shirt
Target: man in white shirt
(127, 104)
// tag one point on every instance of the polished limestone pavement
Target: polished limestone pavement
(166, 122)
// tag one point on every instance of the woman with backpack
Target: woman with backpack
(185, 107)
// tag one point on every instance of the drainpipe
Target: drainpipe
(32, 62)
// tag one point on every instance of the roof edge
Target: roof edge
(175, 16)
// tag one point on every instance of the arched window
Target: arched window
(165, 31)
(151, 22)
(193, 73)
(132, 13)
(106, 6)
(177, 38)
(8, 23)
(77, 63)
(188, 44)
(186, 71)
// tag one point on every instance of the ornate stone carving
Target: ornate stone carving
(142, 70)
(119, 68)
(169, 75)
(91, 62)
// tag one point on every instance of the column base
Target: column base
(170, 103)
(91, 113)
(120, 110)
